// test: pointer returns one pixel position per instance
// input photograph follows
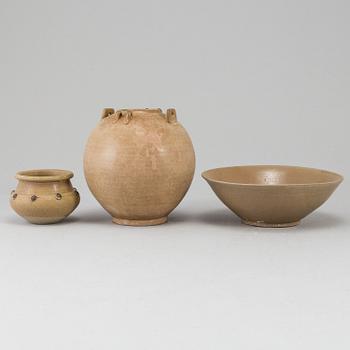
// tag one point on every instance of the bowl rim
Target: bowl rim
(339, 179)
(44, 175)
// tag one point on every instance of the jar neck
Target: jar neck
(140, 111)
(42, 188)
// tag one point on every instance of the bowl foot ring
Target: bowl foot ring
(267, 225)
(151, 222)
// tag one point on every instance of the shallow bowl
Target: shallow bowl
(272, 195)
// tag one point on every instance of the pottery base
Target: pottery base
(44, 221)
(267, 225)
(150, 222)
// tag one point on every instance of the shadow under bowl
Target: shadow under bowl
(272, 195)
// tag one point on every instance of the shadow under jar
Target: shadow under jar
(44, 196)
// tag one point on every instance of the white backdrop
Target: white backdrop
(252, 82)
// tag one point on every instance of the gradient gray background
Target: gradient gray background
(253, 82)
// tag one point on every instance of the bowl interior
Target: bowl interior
(271, 175)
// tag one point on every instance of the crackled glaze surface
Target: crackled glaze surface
(272, 195)
(44, 196)
(139, 164)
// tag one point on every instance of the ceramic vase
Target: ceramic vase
(139, 164)
(44, 196)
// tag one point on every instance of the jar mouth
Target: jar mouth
(44, 175)
(140, 111)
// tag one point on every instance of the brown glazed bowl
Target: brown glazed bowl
(272, 195)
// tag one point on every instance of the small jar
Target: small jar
(44, 196)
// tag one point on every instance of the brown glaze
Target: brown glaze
(44, 196)
(139, 164)
(272, 195)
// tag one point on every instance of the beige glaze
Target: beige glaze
(44, 196)
(272, 195)
(139, 164)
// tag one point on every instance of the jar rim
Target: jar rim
(44, 175)
(140, 110)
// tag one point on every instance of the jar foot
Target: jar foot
(130, 222)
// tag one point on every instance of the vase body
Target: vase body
(44, 196)
(139, 164)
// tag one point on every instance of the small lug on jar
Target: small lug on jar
(171, 116)
(106, 112)
(127, 117)
(14, 196)
(33, 198)
(58, 196)
(118, 114)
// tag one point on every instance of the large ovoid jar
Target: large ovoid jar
(139, 164)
